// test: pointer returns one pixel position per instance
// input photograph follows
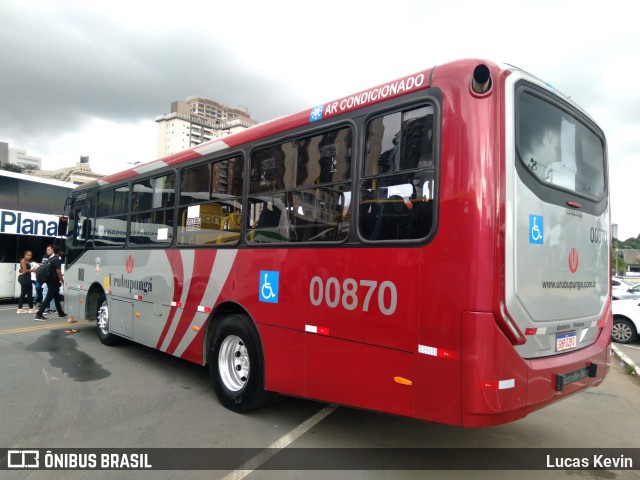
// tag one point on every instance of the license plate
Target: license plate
(563, 379)
(566, 341)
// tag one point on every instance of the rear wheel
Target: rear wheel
(623, 330)
(236, 364)
(106, 337)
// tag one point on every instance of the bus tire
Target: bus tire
(102, 317)
(236, 365)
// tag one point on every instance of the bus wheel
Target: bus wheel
(104, 335)
(236, 365)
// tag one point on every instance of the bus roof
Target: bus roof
(383, 92)
(33, 178)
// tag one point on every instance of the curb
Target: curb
(626, 362)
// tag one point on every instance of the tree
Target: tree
(618, 264)
(12, 167)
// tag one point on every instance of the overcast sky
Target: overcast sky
(88, 78)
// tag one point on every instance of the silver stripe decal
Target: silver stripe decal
(219, 275)
(188, 260)
(150, 167)
(210, 148)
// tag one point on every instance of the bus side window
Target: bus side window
(82, 233)
(272, 223)
(63, 223)
(206, 224)
(397, 188)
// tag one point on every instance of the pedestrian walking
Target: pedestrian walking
(26, 287)
(54, 282)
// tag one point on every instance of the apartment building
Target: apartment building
(198, 120)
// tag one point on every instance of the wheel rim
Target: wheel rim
(621, 332)
(233, 363)
(103, 318)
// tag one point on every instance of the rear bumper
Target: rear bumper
(499, 386)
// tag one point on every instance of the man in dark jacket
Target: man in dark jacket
(53, 284)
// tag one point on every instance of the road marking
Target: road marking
(253, 463)
(35, 328)
(631, 346)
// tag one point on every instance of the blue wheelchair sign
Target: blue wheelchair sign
(536, 229)
(269, 282)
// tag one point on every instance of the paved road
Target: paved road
(63, 390)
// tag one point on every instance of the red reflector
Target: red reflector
(488, 385)
(450, 354)
(574, 204)
(530, 331)
(323, 331)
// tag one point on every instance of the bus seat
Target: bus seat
(392, 219)
(210, 220)
(368, 214)
(269, 218)
(420, 219)
(210, 217)
(232, 221)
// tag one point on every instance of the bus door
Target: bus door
(78, 232)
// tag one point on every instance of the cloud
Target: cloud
(79, 66)
(83, 77)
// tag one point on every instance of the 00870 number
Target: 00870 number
(349, 294)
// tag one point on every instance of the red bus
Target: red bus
(435, 247)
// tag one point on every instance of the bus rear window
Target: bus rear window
(559, 149)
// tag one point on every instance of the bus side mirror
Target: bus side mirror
(63, 222)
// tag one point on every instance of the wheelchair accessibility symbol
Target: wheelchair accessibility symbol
(536, 229)
(269, 282)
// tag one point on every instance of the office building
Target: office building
(18, 156)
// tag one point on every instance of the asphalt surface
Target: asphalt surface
(67, 390)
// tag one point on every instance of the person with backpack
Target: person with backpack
(44, 275)
(53, 281)
(26, 287)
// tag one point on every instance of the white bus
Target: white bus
(30, 212)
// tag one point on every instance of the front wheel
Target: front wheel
(236, 364)
(106, 337)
